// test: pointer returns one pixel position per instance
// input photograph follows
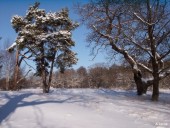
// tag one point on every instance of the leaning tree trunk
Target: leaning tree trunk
(141, 88)
(138, 82)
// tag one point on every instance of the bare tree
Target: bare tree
(99, 76)
(82, 76)
(120, 76)
(137, 30)
(8, 62)
(68, 79)
(19, 57)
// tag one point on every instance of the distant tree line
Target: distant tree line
(96, 76)
(100, 76)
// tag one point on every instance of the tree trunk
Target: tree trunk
(7, 83)
(45, 86)
(139, 83)
(7, 79)
(44, 78)
(51, 72)
(155, 91)
(16, 71)
(43, 71)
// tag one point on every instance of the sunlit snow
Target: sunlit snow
(82, 108)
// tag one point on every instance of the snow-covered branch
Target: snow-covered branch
(164, 74)
(138, 45)
(109, 38)
(12, 47)
(62, 33)
(117, 49)
(145, 22)
(145, 67)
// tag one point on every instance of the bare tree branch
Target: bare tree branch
(145, 22)
(23, 77)
(145, 67)
(28, 64)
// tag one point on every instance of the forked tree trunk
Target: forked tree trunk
(142, 87)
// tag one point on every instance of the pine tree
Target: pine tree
(47, 37)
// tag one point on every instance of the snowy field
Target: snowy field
(83, 108)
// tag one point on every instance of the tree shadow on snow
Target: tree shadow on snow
(17, 101)
(7, 109)
(132, 95)
(69, 96)
(132, 100)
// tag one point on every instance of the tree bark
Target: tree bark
(16, 71)
(7, 83)
(45, 86)
(155, 93)
(43, 71)
(139, 83)
(142, 86)
(7, 78)
(51, 72)
(44, 76)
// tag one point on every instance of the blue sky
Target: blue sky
(9, 8)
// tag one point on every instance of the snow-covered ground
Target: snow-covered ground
(83, 108)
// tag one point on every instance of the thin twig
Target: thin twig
(29, 65)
